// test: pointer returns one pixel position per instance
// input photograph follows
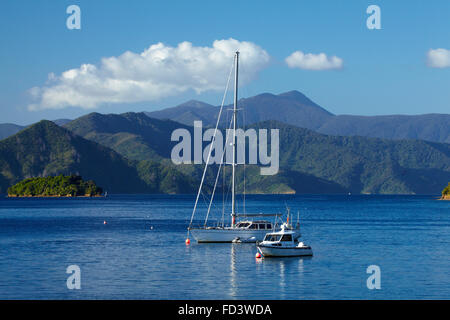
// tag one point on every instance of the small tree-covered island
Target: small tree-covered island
(446, 193)
(55, 186)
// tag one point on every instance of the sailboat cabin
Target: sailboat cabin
(256, 225)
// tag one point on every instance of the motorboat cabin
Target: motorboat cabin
(283, 243)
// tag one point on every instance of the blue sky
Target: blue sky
(384, 71)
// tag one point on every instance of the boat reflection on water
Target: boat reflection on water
(288, 269)
(233, 284)
(284, 270)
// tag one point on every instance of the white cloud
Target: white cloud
(310, 61)
(438, 58)
(159, 71)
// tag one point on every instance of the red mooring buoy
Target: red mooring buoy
(104, 222)
(188, 241)
(258, 255)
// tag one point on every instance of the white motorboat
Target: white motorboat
(283, 243)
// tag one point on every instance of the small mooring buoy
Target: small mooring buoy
(188, 241)
(258, 255)
(104, 222)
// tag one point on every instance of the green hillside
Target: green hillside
(46, 149)
(365, 165)
(133, 135)
(309, 162)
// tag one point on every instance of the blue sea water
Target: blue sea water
(141, 254)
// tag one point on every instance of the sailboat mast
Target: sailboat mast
(233, 182)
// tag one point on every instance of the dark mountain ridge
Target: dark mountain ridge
(296, 109)
(9, 129)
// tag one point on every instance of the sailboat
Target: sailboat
(242, 227)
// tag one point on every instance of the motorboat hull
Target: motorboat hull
(227, 234)
(272, 251)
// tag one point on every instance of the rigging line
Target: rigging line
(229, 186)
(244, 122)
(212, 203)
(205, 197)
(217, 178)
(226, 186)
(226, 194)
(212, 140)
(245, 160)
(228, 190)
(223, 195)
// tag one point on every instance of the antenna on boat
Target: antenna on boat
(288, 214)
(288, 210)
(233, 165)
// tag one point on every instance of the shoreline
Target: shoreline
(436, 197)
(57, 196)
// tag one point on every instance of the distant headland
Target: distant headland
(55, 186)
(446, 193)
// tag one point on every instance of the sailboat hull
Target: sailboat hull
(227, 234)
